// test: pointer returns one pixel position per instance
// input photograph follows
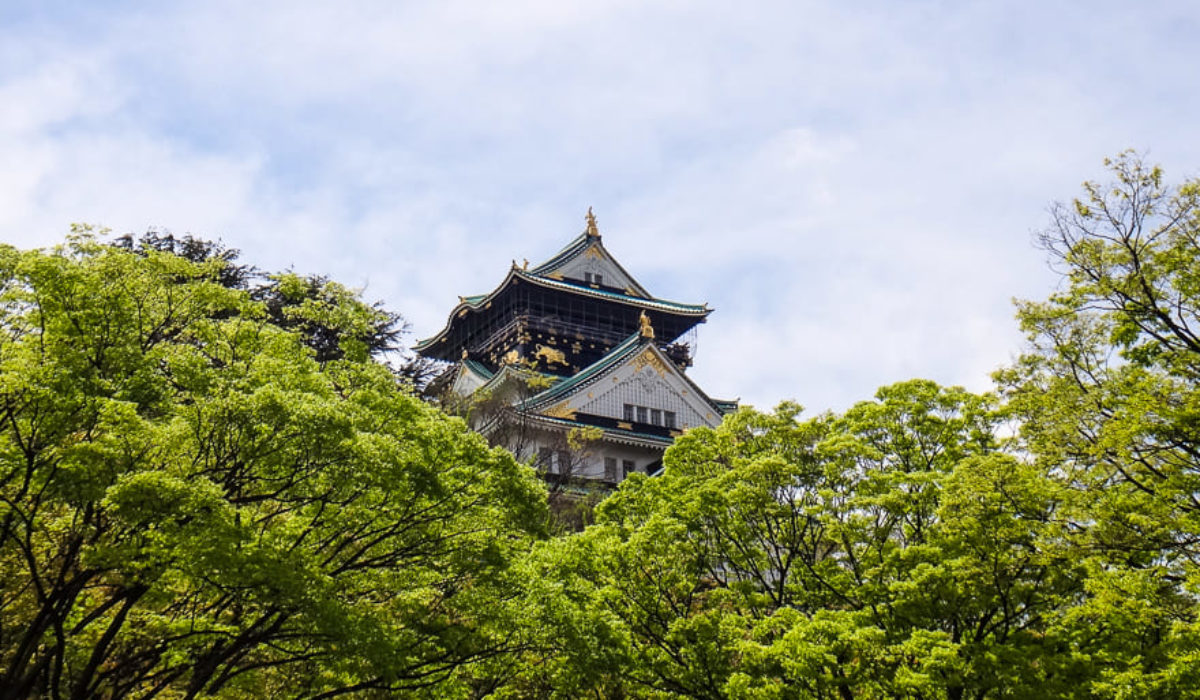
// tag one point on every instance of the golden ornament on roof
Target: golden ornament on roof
(647, 330)
(592, 229)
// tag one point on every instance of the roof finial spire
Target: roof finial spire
(592, 230)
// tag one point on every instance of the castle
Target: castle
(575, 364)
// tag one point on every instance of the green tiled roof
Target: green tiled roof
(626, 348)
(667, 441)
(479, 368)
(576, 248)
(660, 304)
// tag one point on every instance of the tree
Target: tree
(560, 456)
(893, 551)
(193, 503)
(331, 318)
(1109, 403)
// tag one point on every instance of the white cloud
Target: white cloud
(851, 186)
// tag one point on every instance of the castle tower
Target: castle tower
(581, 366)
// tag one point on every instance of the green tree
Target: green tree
(330, 318)
(1109, 402)
(893, 551)
(192, 504)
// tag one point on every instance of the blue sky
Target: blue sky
(853, 186)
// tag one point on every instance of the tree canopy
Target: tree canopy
(193, 503)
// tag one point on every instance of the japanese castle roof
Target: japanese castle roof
(620, 434)
(479, 369)
(623, 351)
(547, 276)
(562, 387)
(588, 240)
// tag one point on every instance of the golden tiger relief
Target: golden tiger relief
(550, 355)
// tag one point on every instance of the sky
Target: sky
(854, 187)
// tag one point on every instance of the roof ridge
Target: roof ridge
(568, 253)
(619, 352)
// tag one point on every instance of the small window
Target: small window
(629, 413)
(669, 418)
(587, 277)
(545, 456)
(564, 462)
(597, 279)
(627, 468)
(610, 468)
(655, 416)
(641, 414)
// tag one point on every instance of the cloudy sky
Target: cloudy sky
(853, 186)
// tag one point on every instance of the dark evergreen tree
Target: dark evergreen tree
(312, 306)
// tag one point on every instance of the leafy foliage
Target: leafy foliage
(889, 552)
(1108, 400)
(313, 306)
(194, 504)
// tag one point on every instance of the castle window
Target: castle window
(627, 468)
(545, 458)
(610, 468)
(564, 462)
(654, 416)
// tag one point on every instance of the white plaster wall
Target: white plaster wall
(467, 382)
(656, 383)
(590, 465)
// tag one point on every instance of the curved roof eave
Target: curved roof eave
(475, 302)
(466, 303)
(600, 368)
(629, 437)
(506, 372)
(650, 303)
(478, 369)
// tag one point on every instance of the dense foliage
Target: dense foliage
(212, 487)
(328, 317)
(194, 504)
